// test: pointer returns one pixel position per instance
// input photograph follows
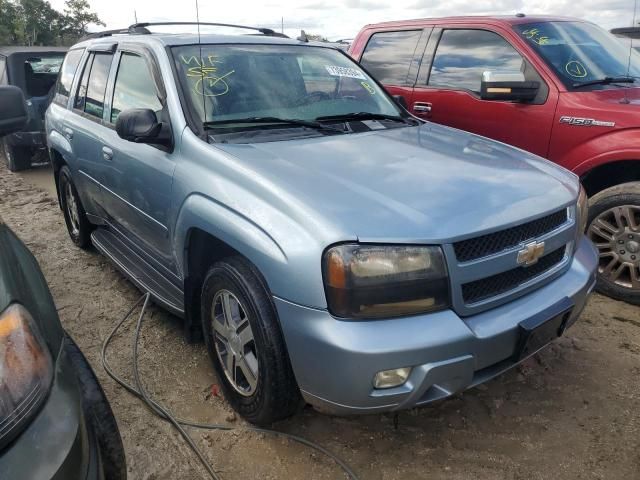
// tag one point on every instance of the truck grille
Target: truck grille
(503, 282)
(496, 242)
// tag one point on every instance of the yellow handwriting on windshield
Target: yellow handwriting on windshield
(534, 35)
(211, 82)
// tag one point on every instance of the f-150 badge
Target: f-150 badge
(586, 122)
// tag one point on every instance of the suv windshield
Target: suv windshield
(581, 52)
(224, 83)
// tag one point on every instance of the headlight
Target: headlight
(582, 212)
(374, 281)
(26, 371)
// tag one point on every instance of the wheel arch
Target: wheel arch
(609, 174)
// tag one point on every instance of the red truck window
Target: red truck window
(388, 55)
(463, 55)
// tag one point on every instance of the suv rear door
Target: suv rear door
(448, 85)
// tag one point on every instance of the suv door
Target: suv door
(448, 89)
(83, 128)
(393, 58)
(138, 177)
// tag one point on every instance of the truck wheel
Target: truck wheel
(96, 407)
(17, 158)
(75, 217)
(245, 343)
(614, 227)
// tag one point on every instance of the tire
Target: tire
(614, 227)
(78, 225)
(17, 158)
(97, 409)
(275, 394)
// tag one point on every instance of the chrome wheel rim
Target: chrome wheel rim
(616, 234)
(72, 209)
(234, 342)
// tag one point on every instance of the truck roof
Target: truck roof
(6, 51)
(507, 20)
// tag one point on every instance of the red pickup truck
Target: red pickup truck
(561, 88)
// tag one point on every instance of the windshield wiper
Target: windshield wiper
(604, 81)
(366, 116)
(274, 120)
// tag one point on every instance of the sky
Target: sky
(337, 19)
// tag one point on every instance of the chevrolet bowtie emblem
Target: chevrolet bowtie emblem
(531, 253)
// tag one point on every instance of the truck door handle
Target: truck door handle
(107, 154)
(422, 107)
(68, 133)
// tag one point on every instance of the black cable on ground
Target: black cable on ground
(139, 391)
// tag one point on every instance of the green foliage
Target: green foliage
(36, 22)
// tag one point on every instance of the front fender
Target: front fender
(295, 276)
(613, 146)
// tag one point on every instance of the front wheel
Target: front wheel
(245, 343)
(614, 227)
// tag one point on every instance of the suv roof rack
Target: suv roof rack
(141, 29)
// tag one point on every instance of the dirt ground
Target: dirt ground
(572, 412)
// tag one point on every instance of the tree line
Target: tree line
(36, 22)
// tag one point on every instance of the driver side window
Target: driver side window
(134, 87)
(463, 55)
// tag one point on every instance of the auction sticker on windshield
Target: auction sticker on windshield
(345, 72)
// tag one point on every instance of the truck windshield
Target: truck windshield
(581, 52)
(223, 83)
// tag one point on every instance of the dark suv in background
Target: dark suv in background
(34, 70)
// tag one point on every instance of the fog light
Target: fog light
(391, 378)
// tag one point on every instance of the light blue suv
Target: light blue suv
(328, 245)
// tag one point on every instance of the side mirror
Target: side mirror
(140, 125)
(13, 110)
(400, 100)
(509, 86)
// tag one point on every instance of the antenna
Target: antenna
(135, 15)
(204, 99)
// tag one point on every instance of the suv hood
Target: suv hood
(415, 184)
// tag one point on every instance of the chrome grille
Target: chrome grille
(492, 243)
(503, 282)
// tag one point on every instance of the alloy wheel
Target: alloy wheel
(72, 209)
(616, 234)
(234, 342)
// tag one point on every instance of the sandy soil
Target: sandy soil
(572, 412)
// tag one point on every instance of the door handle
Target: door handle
(107, 154)
(68, 133)
(422, 107)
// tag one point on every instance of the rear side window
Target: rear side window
(67, 72)
(463, 55)
(94, 102)
(3, 71)
(388, 55)
(135, 87)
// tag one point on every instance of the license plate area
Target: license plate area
(539, 330)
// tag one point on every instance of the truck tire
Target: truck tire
(17, 158)
(246, 346)
(96, 407)
(614, 227)
(75, 218)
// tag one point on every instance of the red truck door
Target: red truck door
(393, 58)
(447, 89)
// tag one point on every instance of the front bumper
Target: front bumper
(334, 361)
(59, 443)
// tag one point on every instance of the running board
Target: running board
(136, 269)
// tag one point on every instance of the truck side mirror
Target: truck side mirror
(507, 86)
(13, 110)
(141, 125)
